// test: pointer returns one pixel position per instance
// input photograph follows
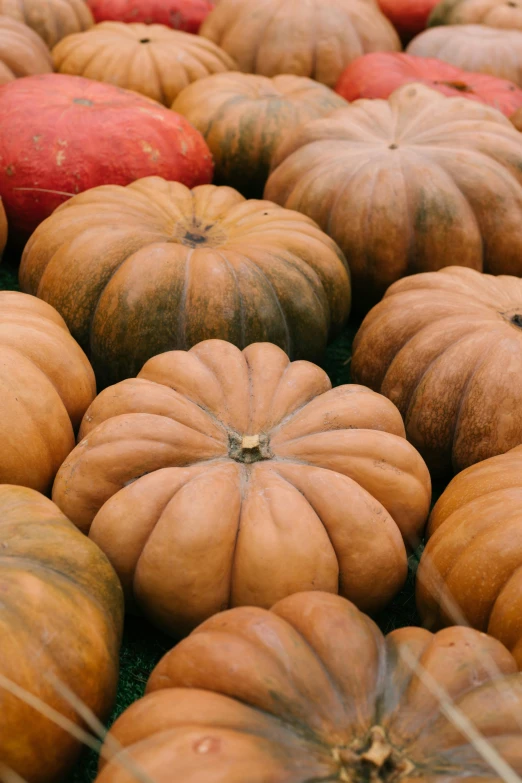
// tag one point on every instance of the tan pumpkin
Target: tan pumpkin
(408, 185)
(46, 385)
(51, 19)
(474, 47)
(61, 618)
(446, 348)
(22, 51)
(316, 39)
(471, 568)
(494, 13)
(155, 266)
(312, 691)
(221, 478)
(153, 60)
(243, 118)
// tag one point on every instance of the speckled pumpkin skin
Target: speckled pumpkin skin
(156, 266)
(69, 128)
(186, 15)
(473, 558)
(61, 617)
(315, 38)
(224, 478)
(312, 691)
(506, 14)
(400, 185)
(244, 117)
(51, 19)
(377, 75)
(150, 59)
(22, 51)
(446, 348)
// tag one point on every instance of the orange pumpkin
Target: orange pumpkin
(474, 47)
(51, 19)
(60, 623)
(155, 266)
(312, 691)
(22, 51)
(244, 117)
(494, 13)
(409, 17)
(446, 348)
(150, 59)
(46, 385)
(471, 569)
(221, 478)
(316, 39)
(401, 186)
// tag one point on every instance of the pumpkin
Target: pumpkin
(221, 478)
(243, 117)
(446, 348)
(61, 621)
(3, 229)
(150, 59)
(475, 531)
(46, 385)
(76, 134)
(474, 47)
(411, 184)
(22, 51)
(378, 75)
(409, 17)
(314, 39)
(155, 266)
(494, 13)
(51, 19)
(312, 691)
(184, 15)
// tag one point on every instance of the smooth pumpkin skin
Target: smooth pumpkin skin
(22, 51)
(313, 38)
(46, 385)
(184, 15)
(377, 75)
(244, 117)
(446, 348)
(401, 186)
(61, 617)
(59, 134)
(471, 567)
(311, 690)
(51, 19)
(409, 17)
(150, 59)
(474, 47)
(194, 519)
(494, 13)
(156, 266)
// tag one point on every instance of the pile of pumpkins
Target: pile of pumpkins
(198, 194)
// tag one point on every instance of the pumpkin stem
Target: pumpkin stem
(249, 448)
(380, 750)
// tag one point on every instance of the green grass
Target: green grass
(143, 646)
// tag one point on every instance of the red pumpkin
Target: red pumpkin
(378, 74)
(409, 17)
(184, 15)
(61, 135)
